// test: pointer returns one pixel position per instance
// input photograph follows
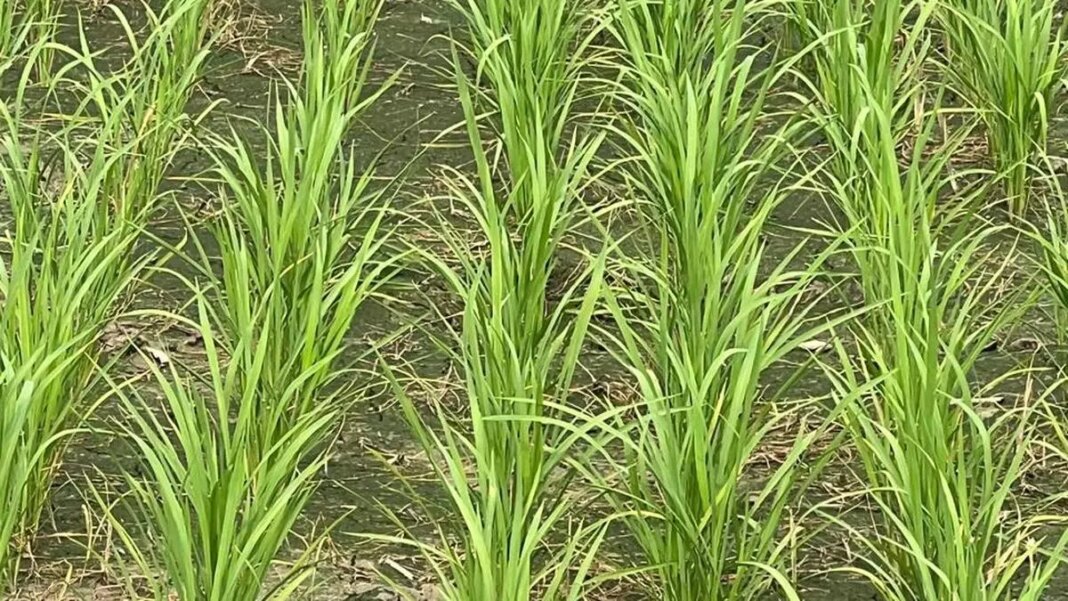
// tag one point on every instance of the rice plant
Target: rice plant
(28, 24)
(64, 275)
(45, 27)
(707, 317)
(301, 234)
(144, 102)
(11, 34)
(1051, 241)
(939, 475)
(529, 54)
(1007, 59)
(517, 347)
(213, 511)
(866, 49)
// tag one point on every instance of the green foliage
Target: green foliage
(863, 50)
(141, 107)
(299, 240)
(26, 26)
(703, 318)
(214, 510)
(1051, 240)
(64, 275)
(690, 301)
(1007, 58)
(517, 349)
(301, 235)
(940, 474)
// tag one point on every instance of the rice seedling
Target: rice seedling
(1007, 59)
(1051, 241)
(708, 317)
(517, 347)
(11, 35)
(529, 56)
(507, 513)
(144, 101)
(940, 474)
(865, 50)
(213, 510)
(45, 26)
(24, 25)
(299, 240)
(35, 26)
(301, 235)
(63, 278)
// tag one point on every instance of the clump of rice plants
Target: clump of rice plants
(529, 54)
(12, 33)
(76, 221)
(64, 275)
(517, 348)
(45, 25)
(142, 105)
(1007, 58)
(707, 318)
(300, 235)
(938, 473)
(299, 239)
(866, 49)
(213, 510)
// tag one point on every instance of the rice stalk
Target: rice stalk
(1050, 236)
(805, 24)
(12, 33)
(529, 55)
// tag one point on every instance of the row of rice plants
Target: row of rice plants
(299, 240)
(1007, 60)
(706, 323)
(229, 469)
(517, 349)
(934, 299)
(63, 276)
(72, 258)
(708, 318)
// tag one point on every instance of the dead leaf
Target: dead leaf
(815, 346)
(161, 357)
(403, 571)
